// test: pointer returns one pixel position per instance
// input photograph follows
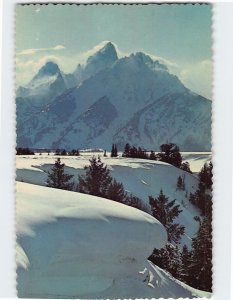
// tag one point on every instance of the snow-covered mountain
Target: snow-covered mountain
(131, 99)
(46, 85)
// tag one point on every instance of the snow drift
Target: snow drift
(80, 246)
(140, 177)
(72, 244)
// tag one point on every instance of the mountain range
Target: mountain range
(134, 99)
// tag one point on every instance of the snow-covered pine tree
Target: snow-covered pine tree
(166, 211)
(57, 178)
(184, 267)
(201, 266)
(167, 258)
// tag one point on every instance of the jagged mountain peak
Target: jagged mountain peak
(49, 69)
(143, 58)
(106, 53)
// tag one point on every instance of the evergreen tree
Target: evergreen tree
(201, 266)
(205, 177)
(184, 267)
(179, 184)
(170, 153)
(166, 211)
(115, 151)
(116, 192)
(136, 202)
(202, 198)
(57, 152)
(168, 258)
(97, 179)
(152, 155)
(185, 166)
(126, 152)
(63, 152)
(57, 177)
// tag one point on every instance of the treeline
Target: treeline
(169, 153)
(24, 151)
(193, 266)
(97, 181)
(64, 152)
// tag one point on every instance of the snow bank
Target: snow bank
(71, 244)
(140, 177)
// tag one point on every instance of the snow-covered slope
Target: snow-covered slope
(46, 85)
(176, 117)
(71, 245)
(100, 60)
(152, 107)
(143, 178)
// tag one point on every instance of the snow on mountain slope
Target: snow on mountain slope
(89, 125)
(100, 60)
(71, 245)
(140, 90)
(142, 178)
(46, 85)
(176, 118)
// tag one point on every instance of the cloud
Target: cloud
(35, 50)
(198, 77)
(25, 70)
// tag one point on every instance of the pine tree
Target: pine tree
(126, 152)
(97, 179)
(166, 211)
(202, 198)
(136, 202)
(113, 150)
(116, 192)
(168, 258)
(152, 155)
(170, 153)
(201, 267)
(179, 184)
(57, 152)
(57, 177)
(184, 267)
(63, 152)
(185, 166)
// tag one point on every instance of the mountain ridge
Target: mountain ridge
(133, 84)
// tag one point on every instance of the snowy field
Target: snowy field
(142, 178)
(72, 245)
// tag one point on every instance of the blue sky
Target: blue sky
(180, 34)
